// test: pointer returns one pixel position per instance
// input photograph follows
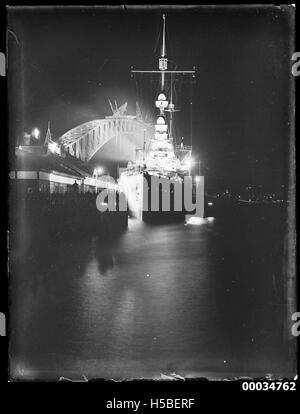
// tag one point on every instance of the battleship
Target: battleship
(153, 182)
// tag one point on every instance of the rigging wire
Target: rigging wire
(158, 40)
(168, 41)
(175, 129)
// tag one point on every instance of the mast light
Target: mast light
(161, 102)
(162, 97)
(163, 63)
(160, 120)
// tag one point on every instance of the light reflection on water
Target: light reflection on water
(197, 300)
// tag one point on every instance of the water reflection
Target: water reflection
(104, 255)
(198, 300)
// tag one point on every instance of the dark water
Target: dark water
(203, 300)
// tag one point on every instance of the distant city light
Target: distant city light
(35, 133)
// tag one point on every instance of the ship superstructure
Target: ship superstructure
(161, 159)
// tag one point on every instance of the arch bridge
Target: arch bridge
(85, 140)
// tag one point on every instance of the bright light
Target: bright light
(161, 120)
(188, 163)
(161, 128)
(197, 179)
(161, 136)
(53, 147)
(196, 221)
(210, 203)
(98, 171)
(161, 97)
(35, 133)
(161, 102)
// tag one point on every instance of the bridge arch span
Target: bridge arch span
(85, 140)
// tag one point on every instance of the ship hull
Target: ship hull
(149, 200)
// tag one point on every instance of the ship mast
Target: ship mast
(164, 36)
(171, 108)
(163, 61)
(161, 137)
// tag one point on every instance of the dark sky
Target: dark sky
(65, 63)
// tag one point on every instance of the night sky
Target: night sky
(65, 63)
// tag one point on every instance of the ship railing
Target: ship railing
(183, 147)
